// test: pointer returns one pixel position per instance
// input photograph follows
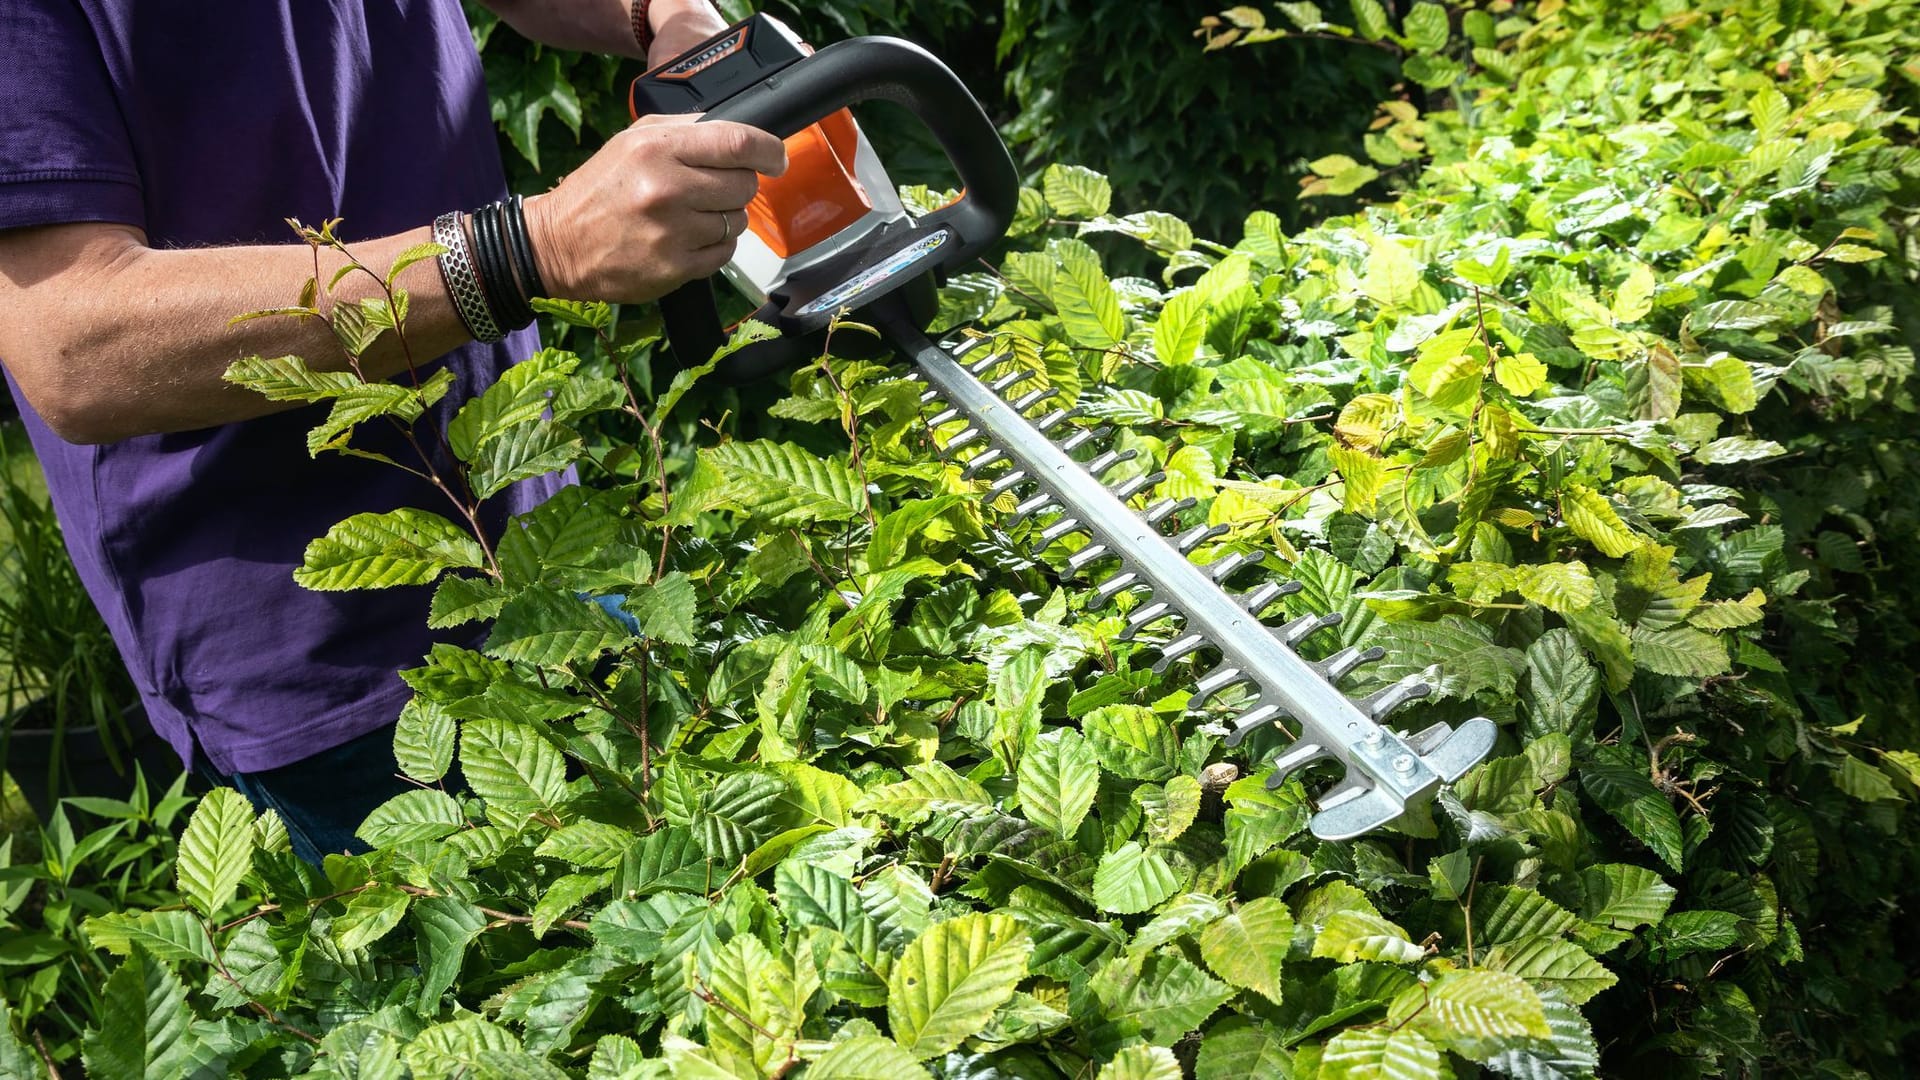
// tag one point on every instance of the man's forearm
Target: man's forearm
(137, 341)
(600, 26)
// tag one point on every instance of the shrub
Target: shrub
(1605, 419)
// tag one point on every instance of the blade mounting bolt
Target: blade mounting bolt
(1403, 764)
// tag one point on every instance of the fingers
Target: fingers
(722, 144)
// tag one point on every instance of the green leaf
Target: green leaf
(1427, 27)
(1736, 449)
(522, 95)
(1089, 308)
(1238, 1047)
(1142, 1063)
(1133, 879)
(928, 788)
(1624, 896)
(553, 627)
(460, 600)
(358, 404)
(522, 395)
(1059, 777)
(1349, 936)
(1684, 651)
(456, 1047)
(740, 814)
(510, 766)
(786, 485)
(1181, 329)
(587, 843)
(173, 936)
(1561, 588)
(1076, 192)
(371, 914)
(1561, 685)
(952, 978)
(1392, 275)
(1370, 18)
(15, 1059)
(1161, 996)
(1132, 741)
(1622, 788)
(288, 378)
(1592, 518)
(1484, 1004)
(420, 814)
(1864, 782)
(144, 1024)
(867, 1057)
(522, 453)
(216, 850)
(423, 740)
(1246, 947)
(1686, 932)
(1552, 963)
(378, 551)
(666, 609)
(1373, 1053)
(445, 927)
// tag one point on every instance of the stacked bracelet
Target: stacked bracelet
(642, 26)
(489, 267)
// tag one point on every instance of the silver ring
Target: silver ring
(726, 225)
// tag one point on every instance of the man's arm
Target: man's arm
(606, 26)
(109, 338)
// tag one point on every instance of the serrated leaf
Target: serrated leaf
(553, 627)
(1089, 308)
(1684, 652)
(1076, 192)
(144, 1026)
(1427, 27)
(785, 484)
(1593, 518)
(1561, 588)
(216, 850)
(867, 1057)
(1624, 896)
(1624, 790)
(1142, 1063)
(952, 978)
(666, 609)
(738, 815)
(1132, 879)
(1561, 686)
(1738, 448)
(1131, 741)
(1349, 936)
(423, 740)
(1162, 996)
(377, 551)
(446, 926)
(1181, 328)
(522, 395)
(1246, 947)
(510, 766)
(1484, 1004)
(420, 814)
(174, 936)
(1552, 963)
(1373, 1053)
(1059, 777)
(1392, 275)
(1686, 932)
(288, 378)
(371, 914)
(1520, 374)
(928, 788)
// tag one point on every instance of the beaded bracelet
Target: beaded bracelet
(642, 29)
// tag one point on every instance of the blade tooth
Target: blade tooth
(965, 437)
(966, 346)
(1305, 626)
(1055, 418)
(1128, 488)
(1223, 568)
(1261, 597)
(1198, 535)
(928, 397)
(1111, 588)
(1054, 532)
(1035, 505)
(1166, 508)
(1336, 667)
(1085, 557)
(1005, 484)
(1144, 616)
(1100, 465)
(1251, 721)
(979, 462)
(1294, 758)
(1084, 436)
(1034, 397)
(1000, 385)
(1176, 649)
(1383, 701)
(979, 367)
(1212, 683)
(943, 417)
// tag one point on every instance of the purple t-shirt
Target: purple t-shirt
(209, 122)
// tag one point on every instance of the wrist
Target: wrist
(547, 236)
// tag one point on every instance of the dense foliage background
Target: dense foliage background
(1606, 413)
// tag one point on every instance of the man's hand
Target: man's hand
(660, 205)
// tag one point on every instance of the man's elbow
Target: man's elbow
(76, 412)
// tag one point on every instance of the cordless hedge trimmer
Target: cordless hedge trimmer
(831, 236)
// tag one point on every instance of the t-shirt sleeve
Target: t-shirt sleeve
(64, 151)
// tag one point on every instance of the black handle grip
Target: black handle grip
(889, 69)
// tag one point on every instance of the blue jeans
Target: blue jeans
(324, 798)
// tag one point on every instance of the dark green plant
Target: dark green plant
(866, 790)
(52, 880)
(63, 673)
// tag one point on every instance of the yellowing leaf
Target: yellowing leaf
(1592, 518)
(1521, 374)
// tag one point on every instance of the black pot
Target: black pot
(88, 770)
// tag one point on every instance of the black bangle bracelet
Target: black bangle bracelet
(497, 269)
(490, 287)
(523, 248)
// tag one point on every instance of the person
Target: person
(151, 153)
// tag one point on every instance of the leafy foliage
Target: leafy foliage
(869, 791)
